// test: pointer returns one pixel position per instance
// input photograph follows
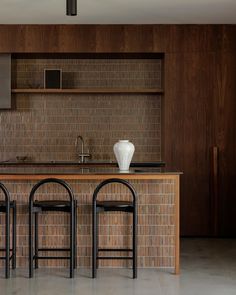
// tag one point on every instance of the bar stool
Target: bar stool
(35, 207)
(109, 206)
(5, 207)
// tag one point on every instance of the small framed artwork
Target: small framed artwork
(52, 78)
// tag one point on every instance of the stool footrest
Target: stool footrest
(2, 258)
(116, 249)
(51, 257)
(114, 257)
(53, 249)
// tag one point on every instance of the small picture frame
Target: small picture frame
(52, 78)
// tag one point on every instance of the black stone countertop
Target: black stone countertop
(76, 163)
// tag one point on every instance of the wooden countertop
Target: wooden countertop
(68, 173)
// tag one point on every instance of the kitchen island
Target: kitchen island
(158, 213)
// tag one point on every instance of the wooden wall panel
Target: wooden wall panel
(110, 38)
(12, 38)
(228, 38)
(113, 38)
(187, 38)
(225, 139)
(188, 129)
(139, 38)
(76, 39)
(41, 38)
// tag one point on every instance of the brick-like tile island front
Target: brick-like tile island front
(158, 216)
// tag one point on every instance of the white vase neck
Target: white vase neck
(123, 140)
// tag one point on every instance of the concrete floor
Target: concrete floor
(207, 267)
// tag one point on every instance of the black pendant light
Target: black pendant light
(71, 7)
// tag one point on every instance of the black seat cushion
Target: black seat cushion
(3, 205)
(53, 205)
(115, 205)
(58, 203)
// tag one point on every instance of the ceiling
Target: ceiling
(119, 12)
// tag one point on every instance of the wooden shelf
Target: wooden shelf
(90, 90)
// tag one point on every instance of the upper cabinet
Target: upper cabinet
(5, 81)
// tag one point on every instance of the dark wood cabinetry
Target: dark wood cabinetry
(199, 103)
(225, 138)
(189, 100)
(5, 81)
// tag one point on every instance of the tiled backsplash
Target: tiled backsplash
(44, 127)
(29, 73)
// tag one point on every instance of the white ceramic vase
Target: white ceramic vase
(123, 150)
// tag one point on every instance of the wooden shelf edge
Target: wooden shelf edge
(90, 90)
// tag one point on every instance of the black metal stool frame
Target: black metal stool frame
(34, 252)
(6, 209)
(95, 247)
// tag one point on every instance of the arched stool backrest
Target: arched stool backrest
(7, 196)
(72, 220)
(7, 239)
(51, 180)
(94, 221)
(7, 206)
(115, 180)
